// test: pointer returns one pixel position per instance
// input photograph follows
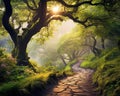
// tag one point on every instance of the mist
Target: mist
(47, 52)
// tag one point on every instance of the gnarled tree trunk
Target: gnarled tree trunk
(20, 46)
(22, 57)
(21, 41)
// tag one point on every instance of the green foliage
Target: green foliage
(9, 71)
(0, 19)
(24, 86)
(113, 26)
(107, 74)
(107, 77)
(21, 80)
(107, 64)
(6, 65)
(68, 68)
(2, 52)
(47, 69)
(42, 77)
(73, 43)
(7, 88)
(20, 8)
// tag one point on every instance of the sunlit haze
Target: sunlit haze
(66, 27)
(55, 9)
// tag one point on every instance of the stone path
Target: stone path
(79, 84)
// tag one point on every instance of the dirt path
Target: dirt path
(79, 84)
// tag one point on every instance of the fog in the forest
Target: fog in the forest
(42, 53)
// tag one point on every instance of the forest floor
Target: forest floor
(79, 84)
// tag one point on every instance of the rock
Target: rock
(64, 94)
(59, 89)
(77, 91)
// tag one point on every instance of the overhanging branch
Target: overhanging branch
(5, 21)
(53, 18)
(75, 19)
(28, 5)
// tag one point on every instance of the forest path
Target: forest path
(80, 84)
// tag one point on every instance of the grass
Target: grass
(25, 85)
(107, 74)
(68, 68)
(21, 80)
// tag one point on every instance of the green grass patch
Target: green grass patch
(25, 85)
(68, 68)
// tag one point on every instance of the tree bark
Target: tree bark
(21, 55)
(102, 43)
(119, 44)
(5, 21)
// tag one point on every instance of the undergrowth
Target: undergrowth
(68, 68)
(23, 81)
(107, 72)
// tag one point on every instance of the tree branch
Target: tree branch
(75, 19)
(53, 18)
(34, 3)
(28, 5)
(5, 21)
(40, 21)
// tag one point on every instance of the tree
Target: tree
(42, 16)
(71, 45)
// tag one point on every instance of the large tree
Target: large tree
(42, 16)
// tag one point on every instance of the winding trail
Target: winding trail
(80, 84)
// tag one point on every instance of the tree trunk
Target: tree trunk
(22, 56)
(20, 42)
(63, 60)
(102, 43)
(119, 44)
(95, 50)
(20, 52)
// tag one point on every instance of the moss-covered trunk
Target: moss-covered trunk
(20, 53)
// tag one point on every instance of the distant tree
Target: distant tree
(71, 46)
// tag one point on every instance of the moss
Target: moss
(107, 74)
(68, 68)
(22, 80)
(26, 85)
(43, 77)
